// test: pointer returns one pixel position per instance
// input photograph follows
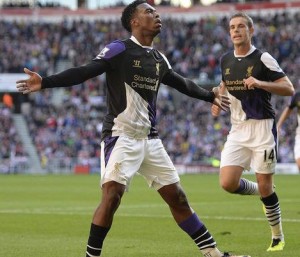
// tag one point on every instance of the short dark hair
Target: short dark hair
(245, 16)
(128, 12)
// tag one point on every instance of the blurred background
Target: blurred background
(95, 4)
(58, 130)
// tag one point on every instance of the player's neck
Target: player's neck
(242, 49)
(143, 40)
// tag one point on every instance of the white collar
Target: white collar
(138, 43)
(252, 49)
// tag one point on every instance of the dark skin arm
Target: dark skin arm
(69, 77)
(190, 88)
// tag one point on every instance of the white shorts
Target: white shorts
(297, 146)
(123, 157)
(251, 145)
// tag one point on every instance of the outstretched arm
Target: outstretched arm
(69, 77)
(190, 88)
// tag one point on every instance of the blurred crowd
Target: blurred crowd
(82, 3)
(12, 154)
(67, 125)
(30, 4)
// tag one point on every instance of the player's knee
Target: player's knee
(112, 200)
(228, 186)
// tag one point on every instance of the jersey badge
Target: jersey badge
(102, 53)
(117, 168)
(249, 71)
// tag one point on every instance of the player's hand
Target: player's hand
(215, 110)
(251, 83)
(279, 130)
(221, 101)
(32, 84)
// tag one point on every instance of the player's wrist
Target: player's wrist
(212, 96)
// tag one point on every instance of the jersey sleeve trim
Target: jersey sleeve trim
(270, 62)
(111, 50)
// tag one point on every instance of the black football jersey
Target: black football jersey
(132, 90)
(133, 77)
(249, 103)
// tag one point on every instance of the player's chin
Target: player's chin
(157, 30)
(238, 42)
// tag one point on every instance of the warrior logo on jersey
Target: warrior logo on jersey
(249, 71)
(137, 64)
(102, 53)
(227, 71)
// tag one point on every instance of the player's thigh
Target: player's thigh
(157, 167)
(265, 157)
(235, 154)
(121, 158)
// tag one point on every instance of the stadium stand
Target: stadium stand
(65, 125)
(13, 157)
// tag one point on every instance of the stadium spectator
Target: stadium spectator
(8, 101)
(250, 77)
(129, 125)
(30, 4)
(13, 157)
(294, 103)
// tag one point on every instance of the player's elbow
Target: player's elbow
(291, 91)
(288, 88)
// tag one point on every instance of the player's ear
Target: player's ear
(251, 31)
(133, 22)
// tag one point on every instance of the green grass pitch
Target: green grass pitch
(50, 215)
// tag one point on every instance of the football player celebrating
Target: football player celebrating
(130, 142)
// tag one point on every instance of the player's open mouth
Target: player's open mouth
(158, 22)
(237, 37)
